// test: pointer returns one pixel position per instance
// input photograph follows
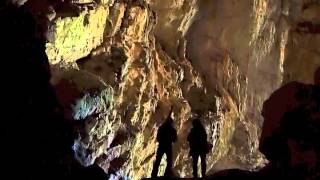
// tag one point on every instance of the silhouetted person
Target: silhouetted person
(166, 136)
(197, 139)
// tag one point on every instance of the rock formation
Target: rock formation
(119, 65)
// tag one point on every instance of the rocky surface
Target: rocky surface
(119, 65)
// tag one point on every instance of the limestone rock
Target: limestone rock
(82, 1)
(115, 18)
(75, 37)
(173, 21)
(305, 40)
(136, 22)
(19, 2)
(220, 59)
(86, 99)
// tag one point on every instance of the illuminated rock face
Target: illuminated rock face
(85, 33)
(118, 67)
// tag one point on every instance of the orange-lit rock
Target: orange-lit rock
(221, 59)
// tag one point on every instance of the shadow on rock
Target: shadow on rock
(36, 139)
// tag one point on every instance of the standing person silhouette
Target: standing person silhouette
(197, 139)
(166, 136)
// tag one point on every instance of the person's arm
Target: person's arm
(174, 135)
(158, 134)
(205, 135)
(189, 136)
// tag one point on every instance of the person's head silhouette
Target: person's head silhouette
(196, 122)
(171, 112)
(169, 121)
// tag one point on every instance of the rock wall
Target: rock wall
(119, 65)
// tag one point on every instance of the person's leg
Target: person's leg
(203, 164)
(156, 164)
(195, 165)
(169, 162)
